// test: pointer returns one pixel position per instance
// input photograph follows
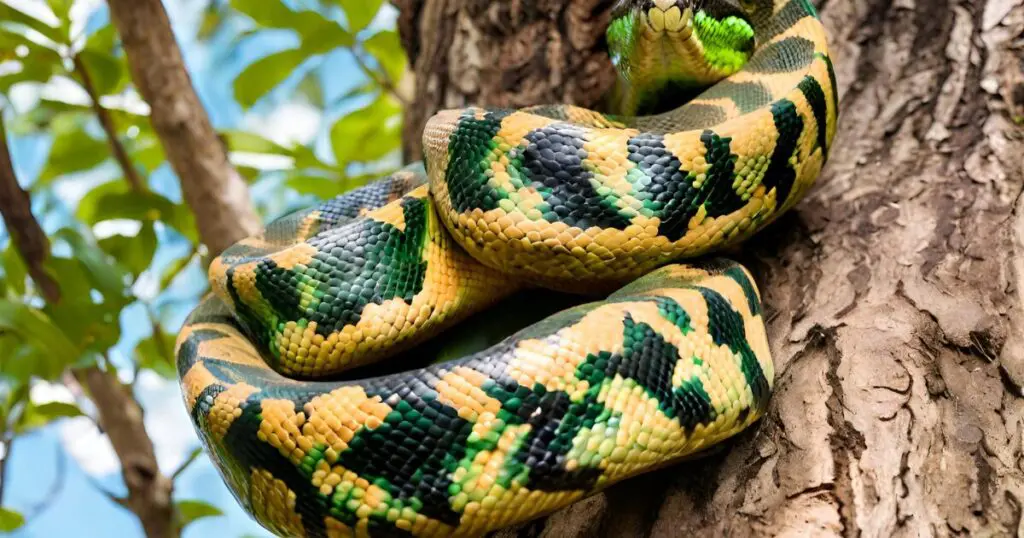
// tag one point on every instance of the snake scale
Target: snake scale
(723, 117)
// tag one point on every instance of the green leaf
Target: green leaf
(103, 39)
(213, 19)
(318, 34)
(174, 269)
(73, 150)
(15, 271)
(134, 253)
(106, 72)
(92, 327)
(12, 396)
(265, 74)
(62, 9)
(311, 89)
(89, 321)
(368, 134)
(361, 90)
(190, 511)
(114, 200)
(321, 187)
(10, 520)
(267, 13)
(386, 47)
(37, 416)
(305, 157)
(105, 274)
(37, 337)
(146, 151)
(9, 14)
(156, 353)
(247, 142)
(360, 13)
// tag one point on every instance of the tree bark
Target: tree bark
(893, 290)
(511, 54)
(213, 189)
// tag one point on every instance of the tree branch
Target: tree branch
(46, 501)
(131, 174)
(26, 234)
(4, 458)
(185, 464)
(380, 78)
(213, 189)
(120, 416)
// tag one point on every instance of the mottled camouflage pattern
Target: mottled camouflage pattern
(557, 196)
(668, 366)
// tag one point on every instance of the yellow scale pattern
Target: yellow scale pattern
(643, 437)
(316, 426)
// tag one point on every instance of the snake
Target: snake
(720, 121)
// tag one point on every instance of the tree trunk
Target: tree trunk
(512, 53)
(893, 290)
(212, 188)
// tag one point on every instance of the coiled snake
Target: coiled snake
(726, 112)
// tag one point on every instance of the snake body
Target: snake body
(560, 197)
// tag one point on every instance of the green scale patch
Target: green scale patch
(728, 329)
(649, 360)
(360, 263)
(471, 147)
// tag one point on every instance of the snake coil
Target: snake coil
(560, 197)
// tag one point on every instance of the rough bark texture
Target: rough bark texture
(213, 189)
(893, 290)
(511, 53)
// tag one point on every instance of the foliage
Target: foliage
(118, 246)
(329, 32)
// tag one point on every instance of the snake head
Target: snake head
(679, 45)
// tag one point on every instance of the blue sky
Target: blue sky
(79, 509)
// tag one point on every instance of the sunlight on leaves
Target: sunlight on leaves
(28, 332)
(37, 416)
(360, 13)
(266, 74)
(368, 134)
(190, 511)
(10, 520)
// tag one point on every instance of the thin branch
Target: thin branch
(131, 174)
(381, 78)
(185, 464)
(26, 233)
(51, 495)
(4, 458)
(118, 500)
